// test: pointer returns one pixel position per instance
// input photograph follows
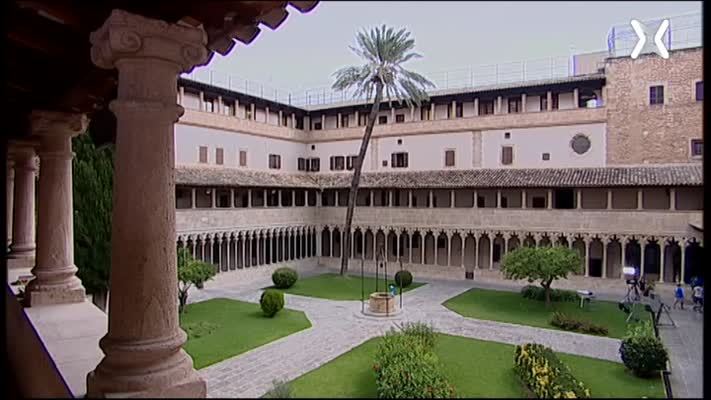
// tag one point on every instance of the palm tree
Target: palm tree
(384, 51)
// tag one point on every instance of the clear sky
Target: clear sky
(306, 49)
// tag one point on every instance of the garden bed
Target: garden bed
(337, 287)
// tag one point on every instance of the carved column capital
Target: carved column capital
(125, 36)
(54, 123)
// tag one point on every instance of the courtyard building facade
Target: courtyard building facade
(606, 161)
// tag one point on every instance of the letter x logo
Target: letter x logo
(643, 34)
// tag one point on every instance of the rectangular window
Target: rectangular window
(449, 158)
(697, 147)
(554, 101)
(656, 95)
(425, 113)
(486, 107)
(398, 160)
(514, 105)
(538, 202)
(344, 121)
(203, 154)
(399, 118)
(383, 119)
(315, 164)
(460, 110)
(243, 158)
(301, 164)
(546, 156)
(274, 161)
(699, 86)
(507, 155)
(350, 162)
(544, 102)
(337, 163)
(219, 156)
(317, 126)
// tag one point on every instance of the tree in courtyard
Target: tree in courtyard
(384, 51)
(92, 187)
(541, 263)
(191, 272)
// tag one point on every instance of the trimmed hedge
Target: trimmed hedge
(538, 293)
(568, 323)
(284, 277)
(642, 352)
(403, 278)
(407, 367)
(272, 301)
(545, 375)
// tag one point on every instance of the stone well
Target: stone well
(382, 303)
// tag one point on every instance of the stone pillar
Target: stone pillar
(587, 256)
(499, 105)
(22, 249)
(604, 257)
(609, 199)
(55, 280)
(409, 257)
(682, 246)
(451, 199)
(672, 199)
(523, 198)
(476, 251)
(463, 238)
(550, 199)
(579, 199)
(9, 196)
(431, 205)
(491, 251)
(390, 198)
(253, 108)
(264, 203)
(432, 112)
(623, 261)
(219, 105)
(336, 198)
(523, 102)
(422, 248)
(576, 94)
(640, 199)
(662, 250)
(192, 198)
(202, 249)
(409, 198)
(273, 241)
(219, 253)
(323, 121)
(338, 120)
(392, 115)
(397, 245)
(213, 197)
(412, 113)
(549, 101)
(642, 245)
(357, 118)
(370, 193)
(498, 198)
(449, 249)
(143, 346)
(436, 247)
(476, 107)
(476, 199)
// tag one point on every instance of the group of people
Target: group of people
(697, 295)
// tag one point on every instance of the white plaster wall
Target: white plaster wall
(273, 118)
(191, 100)
(189, 138)
(426, 152)
(259, 112)
(530, 143)
(339, 148)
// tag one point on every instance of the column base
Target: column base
(148, 385)
(58, 296)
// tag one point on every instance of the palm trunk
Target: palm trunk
(357, 168)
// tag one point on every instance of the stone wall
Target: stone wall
(640, 133)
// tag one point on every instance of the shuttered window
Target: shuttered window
(274, 161)
(449, 158)
(243, 158)
(398, 160)
(203, 154)
(507, 155)
(219, 156)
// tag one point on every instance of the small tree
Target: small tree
(191, 272)
(541, 263)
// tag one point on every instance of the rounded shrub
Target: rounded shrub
(284, 278)
(643, 355)
(271, 302)
(403, 278)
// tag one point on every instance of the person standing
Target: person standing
(679, 296)
(698, 297)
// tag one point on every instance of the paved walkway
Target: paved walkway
(337, 327)
(686, 348)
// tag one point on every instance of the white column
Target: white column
(682, 245)
(143, 354)
(623, 261)
(498, 198)
(476, 199)
(219, 253)
(436, 247)
(523, 198)
(604, 258)
(449, 249)
(499, 105)
(672, 199)
(397, 245)
(662, 250)
(409, 258)
(431, 201)
(587, 257)
(451, 199)
(432, 112)
(609, 199)
(576, 98)
(463, 238)
(22, 249)
(55, 273)
(476, 106)
(579, 199)
(640, 199)
(550, 199)
(409, 198)
(422, 248)
(642, 245)
(476, 251)
(491, 249)
(549, 101)
(523, 102)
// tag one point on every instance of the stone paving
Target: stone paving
(337, 327)
(686, 348)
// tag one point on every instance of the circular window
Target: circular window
(580, 143)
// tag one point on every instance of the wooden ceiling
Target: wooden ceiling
(47, 62)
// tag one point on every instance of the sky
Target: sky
(307, 48)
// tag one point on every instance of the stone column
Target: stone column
(390, 198)
(279, 202)
(409, 198)
(431, 199)
(397, 245)
(498, 198)
(640, 199)
(192, 198)
(550, 199)
(412, 113)
(143, 346)
(249, 198)
(609, 199)
(672, 199)
(55, 280)
(9, 196)
(409, 257)
(293, 120)
(436, 247)
(202, 249)
(253, 108)
(476, 107)
(432, 112)
(576, 98)
(476, 199)
(587, 256)
(219, 253)
(463, 238)
(549, 101)
(213, 197)
(449, 249)
(499, 105)
(491, 251)
(372, 203)
(578, 199)
(642, 245)
(662, 250)
(22, 249)
(523, 102)
(264, 203)
(422, 248)
(682, 246)
(453, 113)
(451, 198)
(273, 239)
(623, 256)
(523, 198)
(604, 257)
(248, 249)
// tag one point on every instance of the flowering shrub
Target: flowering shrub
(545, 375)
(407, 367)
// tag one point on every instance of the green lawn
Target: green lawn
(222, 328)
(337, 287)
(504, 306)
(476, 369)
